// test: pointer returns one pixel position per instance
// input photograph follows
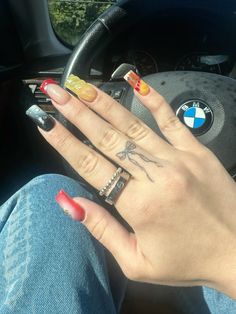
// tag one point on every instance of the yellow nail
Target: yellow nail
(81, 88)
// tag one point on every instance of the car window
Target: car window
(70, 18)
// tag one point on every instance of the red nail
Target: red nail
(70, 206)
(45, 83)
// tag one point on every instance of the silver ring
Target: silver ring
(109, 184)
(120, 184)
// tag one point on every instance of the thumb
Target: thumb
(108, 231)
(104, 227)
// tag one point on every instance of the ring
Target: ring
(118, 187)
(110, 182)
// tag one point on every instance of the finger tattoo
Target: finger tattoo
(129, 153)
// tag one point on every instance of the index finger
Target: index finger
(170, 125)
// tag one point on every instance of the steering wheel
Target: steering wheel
(204, 102)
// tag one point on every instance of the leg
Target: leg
(190, 300)
(203, 300)
(49, 263)
(219, 303)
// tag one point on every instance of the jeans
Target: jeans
(51, 264)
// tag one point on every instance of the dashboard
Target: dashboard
(165, 43)
(173, 43)
(147, 63)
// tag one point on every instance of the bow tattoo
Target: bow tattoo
(129, 152)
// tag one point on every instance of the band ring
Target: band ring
(115, 186)
(109, 184)
(118, 187)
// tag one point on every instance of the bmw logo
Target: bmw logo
(196, 115)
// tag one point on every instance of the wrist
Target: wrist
(224, 270)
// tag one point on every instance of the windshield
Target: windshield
(70, 18)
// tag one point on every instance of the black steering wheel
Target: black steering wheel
(205, 102)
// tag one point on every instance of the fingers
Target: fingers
(114, 144)
(90, 165)
(170, 125)
(117, 115)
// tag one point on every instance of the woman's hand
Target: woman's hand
(180, 201)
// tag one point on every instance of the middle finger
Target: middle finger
(118, 116)
(114, 144)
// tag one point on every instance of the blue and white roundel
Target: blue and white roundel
(194, 117)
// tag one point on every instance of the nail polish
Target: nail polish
(44, 85)
(81, 88)
(40, 118)
(69, 206)
(137, 83)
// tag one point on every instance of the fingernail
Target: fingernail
(58, 94)
(44, 85)
(69, 206)
(40, 118)
(137, 83)
(81, 88)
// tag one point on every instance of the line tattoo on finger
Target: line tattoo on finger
(129, 152)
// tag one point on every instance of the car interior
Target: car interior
(184, 49)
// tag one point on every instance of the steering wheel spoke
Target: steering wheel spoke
(117, 90)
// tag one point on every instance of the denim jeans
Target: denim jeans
(51, 264)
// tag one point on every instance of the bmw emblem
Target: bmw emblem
(196, 115)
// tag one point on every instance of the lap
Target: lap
(50, 262)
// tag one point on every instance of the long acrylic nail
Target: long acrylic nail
(40, 118)
(69, 206)
(137, 83)
(44, 85)
(58, 94)
(81, 88)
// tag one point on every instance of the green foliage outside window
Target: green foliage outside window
(70, 18)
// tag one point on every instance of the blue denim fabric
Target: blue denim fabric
(219, 303)
(51, 264)
(48, 262)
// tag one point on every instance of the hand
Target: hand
(180, 201)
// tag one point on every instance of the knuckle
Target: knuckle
(137, 130)
(160, 103)
(98, 230)
(62, 142)
(88, 163)
(178, 182)
(75, 115)
(172, 123)
(107, 106)
(110, 139)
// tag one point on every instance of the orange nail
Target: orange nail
(81, 88)
(137, 83)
